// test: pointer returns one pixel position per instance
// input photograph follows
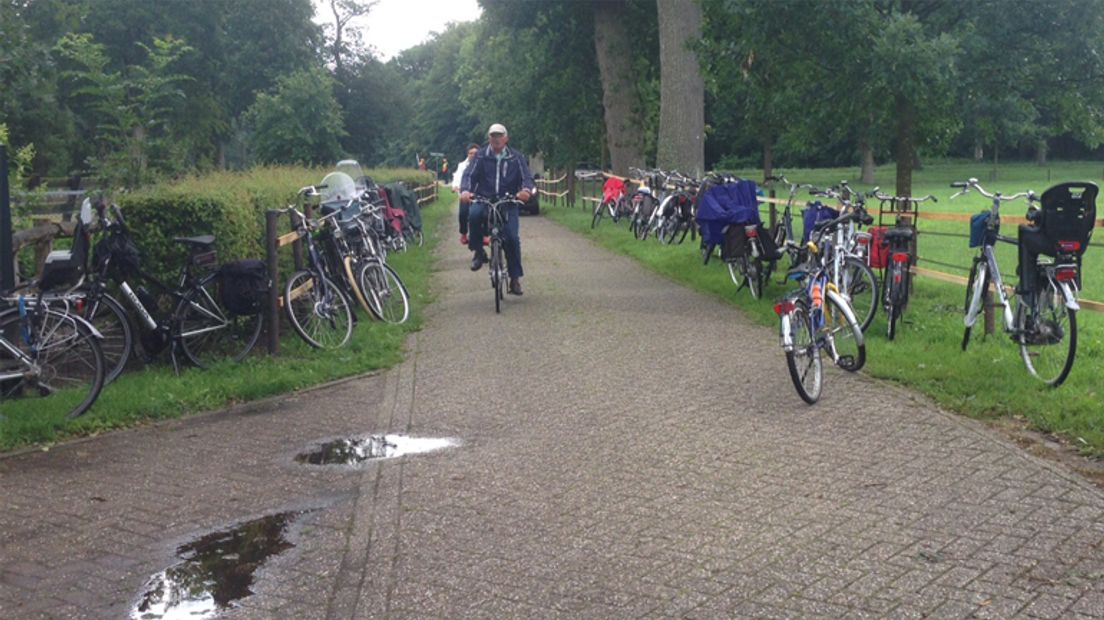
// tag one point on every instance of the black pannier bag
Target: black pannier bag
(244, 286)
(735, 242)
(120, 254)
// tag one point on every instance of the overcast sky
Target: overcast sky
(395, 25)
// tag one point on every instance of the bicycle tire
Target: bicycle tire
(597, 217)
(108, 316)
(860, 285)
(497, 273)
(1049, 355)
(804, 363)
(208, 333)
(755, 277)
(68, 370)
(844, 336)
(387, 296)
(975, 295)
(319, 314)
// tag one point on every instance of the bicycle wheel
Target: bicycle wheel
(755, 276)
(208, 333)
(498, 273)
(318, 311)
(976, 286)
(860, 286)
(59, 369)
(110, 318)
(844, 337)
(387, 297)
(598, 209)
(806, 370)
(1049, 347)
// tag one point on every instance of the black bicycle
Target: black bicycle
(496, 227)
(199, 326)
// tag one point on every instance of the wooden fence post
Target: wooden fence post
(273, 312)
(987, 303)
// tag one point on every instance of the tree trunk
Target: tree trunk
(867, 162)
(1041, 150)
(979, 151)
(768, 157)
(906, 148)
(681, 142)
(613, 44)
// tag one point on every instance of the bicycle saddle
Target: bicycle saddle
(899, 233)
(200, 241)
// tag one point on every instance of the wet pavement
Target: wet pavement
(626, 449)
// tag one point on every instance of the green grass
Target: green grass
(987, 381)
(157, 393)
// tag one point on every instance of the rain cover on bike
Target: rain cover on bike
(404, 199)
(725, 204)
(352, 168)
(612, 189)
(338, 194)
(814, 213)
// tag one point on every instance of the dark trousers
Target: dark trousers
(477, 224)
(464, 217)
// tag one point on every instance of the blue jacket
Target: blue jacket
(491, 177)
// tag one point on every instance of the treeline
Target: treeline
(132, 90)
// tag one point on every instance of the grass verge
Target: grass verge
(157, 393)
(986, 381)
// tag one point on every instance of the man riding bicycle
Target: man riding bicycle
(496, 171)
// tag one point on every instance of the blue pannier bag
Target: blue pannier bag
(979, 230)
(816, 212)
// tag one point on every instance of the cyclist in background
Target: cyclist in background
(497, 171)
(457, 177)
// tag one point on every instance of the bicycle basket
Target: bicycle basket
(979, 230)
(243, 286)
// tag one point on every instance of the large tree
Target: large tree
(614, 48)
(681, 142)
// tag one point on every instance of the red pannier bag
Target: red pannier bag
(878, 256)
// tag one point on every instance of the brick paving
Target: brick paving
(630, 449)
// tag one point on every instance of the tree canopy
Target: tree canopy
(132, 91)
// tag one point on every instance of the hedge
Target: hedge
(228, 205)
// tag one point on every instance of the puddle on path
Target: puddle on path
(360, 449)
(216, 570)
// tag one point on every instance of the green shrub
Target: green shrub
(229, 205)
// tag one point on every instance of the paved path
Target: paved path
(629, 449)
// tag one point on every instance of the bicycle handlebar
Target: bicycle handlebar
(886, 198)
(972, 183)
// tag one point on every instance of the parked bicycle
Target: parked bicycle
(317, 309)
(816, 320)
(846, 260)
(614, 203)
(1043, 322)
(200, 326)
(51, 363)
(673, 219)
(895, 255)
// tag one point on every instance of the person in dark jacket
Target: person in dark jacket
(497, 170)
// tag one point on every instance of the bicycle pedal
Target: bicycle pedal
(845, 361)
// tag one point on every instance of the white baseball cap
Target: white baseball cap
(497, 128)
